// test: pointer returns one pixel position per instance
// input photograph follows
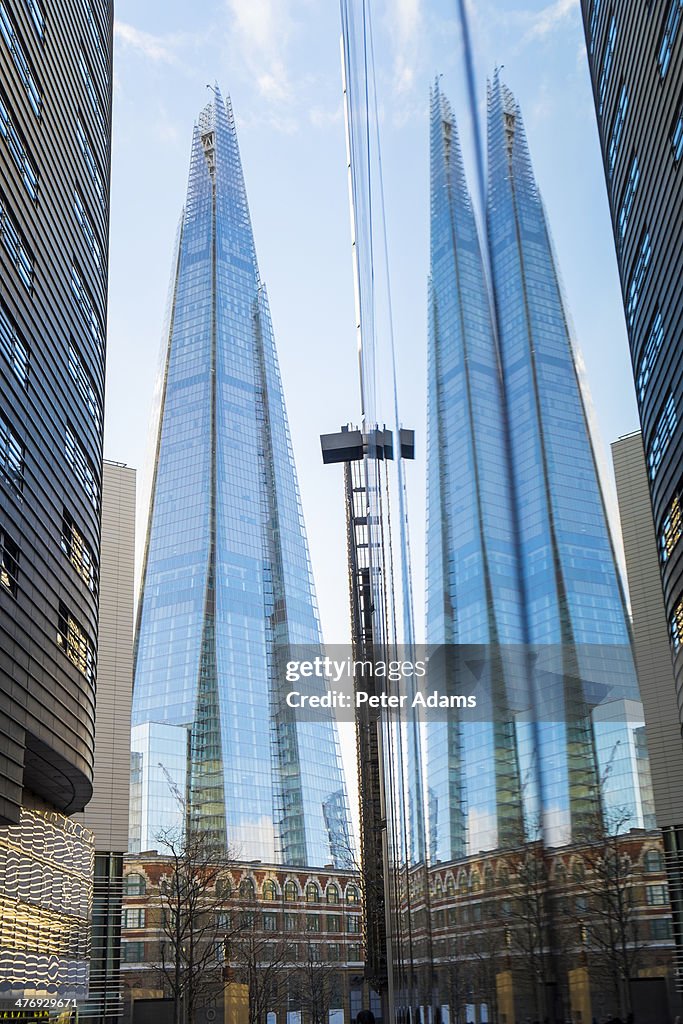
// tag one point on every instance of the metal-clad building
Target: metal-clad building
(55, 116)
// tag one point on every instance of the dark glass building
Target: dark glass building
(635, 54)
(55, 115)
(227, 587)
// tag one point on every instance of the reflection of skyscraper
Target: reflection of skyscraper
(518, 545)
(227, 583)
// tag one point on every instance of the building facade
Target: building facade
(635, 57)
(55, 117)
(293, 938)
(227, 589)
(107, 813)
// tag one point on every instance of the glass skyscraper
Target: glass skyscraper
(520, 560)
(227, 585)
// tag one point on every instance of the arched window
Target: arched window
(653, 861)
(475, 882)
(463, 883)
(290, 891)
(560, 873)
(223, 887)
(351, 894)
(503, 876)
(312, 892)
(269, 890)
(332, 894)
(438, 888)
(247, 889)
(489, 880)
(135, 885)
(578, 870)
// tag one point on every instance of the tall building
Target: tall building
(520, 560)
(107, 813)
(55, 117)
(635, 54)
(227, 588)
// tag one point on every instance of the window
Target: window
(354, 954)
(353, 924)
(88, 152)
(37, 17)
(86, 308)
(84, 384)
(314, 954)
(88, 231)
(629, 196)
(132, 952)
(134, 917)
(223, 888)
(652, 347)
(224, 921)
(475, 882)
(75, 643)
(290, 891)
(86, 75)
(312, 893)
(290, 923)
(673, 20)
(578, 870)
(638, 277)
(312, 923)
(661, 928)
(269, 891)
(617, 128)
(332, 894)
(672, 528)
(450, 886)
(11, 456)
(333, 952)
(79, 552)
(352, 894)
(247, 919)
(135, 885)
(17, 147)
(677, 135)
(489, 881)
(334, 923)
(595, 12)
(654, 861)
(607, 62)
(247, 889)
(96, 34)
(656, 895)
(82, 467)
(270, 922)
(9, 34)
(12, 346)
(9, 564)
(662, 435)
(16, 247)
(677, 624)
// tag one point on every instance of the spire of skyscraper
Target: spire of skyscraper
(227, 584)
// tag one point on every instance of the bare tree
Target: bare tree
(193, 903)
(263, 961)
(317, 986)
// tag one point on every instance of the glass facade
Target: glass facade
(227, 584)
(519, 553)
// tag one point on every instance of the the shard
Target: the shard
(227, 588)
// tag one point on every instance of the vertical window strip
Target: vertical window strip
(13, 347)
(677, 625)
(673, 21)
(26, 167)
(662, 436)
(638, 277)
(629, 197)
(81, 466)
(37, 17)
(79, 552)
(652, 347)
(9, 564)
(607, 61)
(88, 230)
(84, 385)
(86, 75)
(677, 135)
(87, 309)
(595, 13)
(617, 129)
(18, 253)
(75, 642)
(91, 162)
(672, 528)
(9, 34)
(96, 34)
(11, 455)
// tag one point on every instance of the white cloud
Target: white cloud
(262, 28)
(551, 18)
(404, 17)
(155, 48)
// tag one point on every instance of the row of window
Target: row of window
(330, 952)
(671, 27)
(135, 885)
(135, 917)
(666, 425)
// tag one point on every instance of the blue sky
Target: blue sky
(279, 60)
